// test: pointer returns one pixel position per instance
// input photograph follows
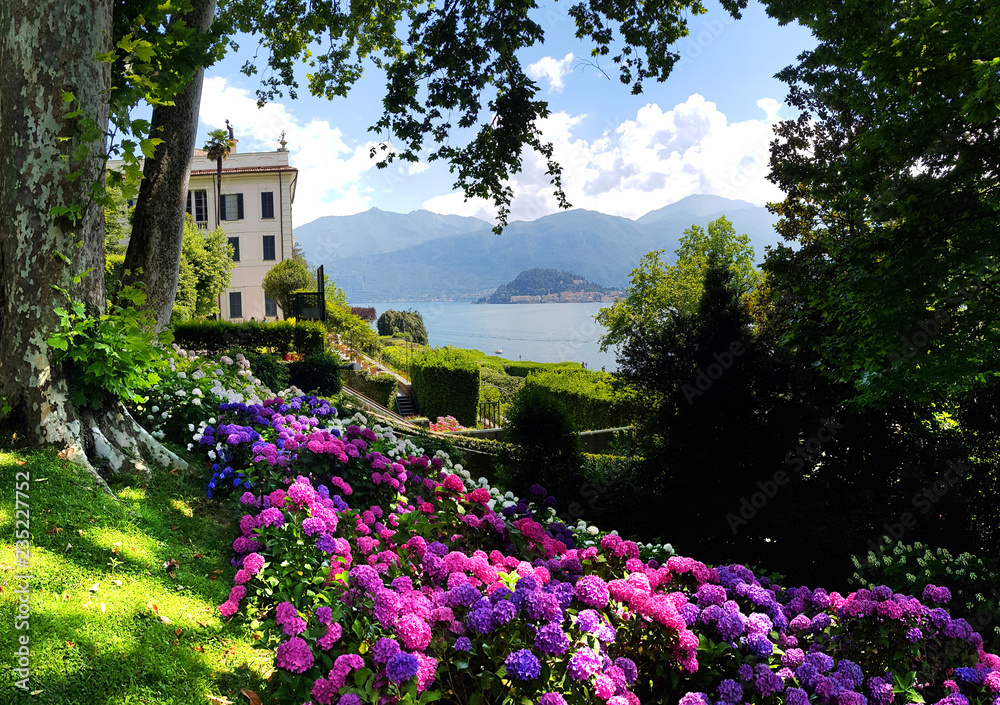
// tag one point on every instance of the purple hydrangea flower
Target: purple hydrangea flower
(462, 643)
(384, 649)
(523, 665)
(401, 667)
(730, 691)
(551, 640)
(551, 699)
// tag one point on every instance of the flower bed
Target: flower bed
(379, 574)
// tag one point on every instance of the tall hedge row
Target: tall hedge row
(446, 382)
(589, 397)
(523, 369)
(380, 388)
(305, 337)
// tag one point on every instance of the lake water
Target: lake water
(538, 332)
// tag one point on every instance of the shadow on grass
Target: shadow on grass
(108, 645)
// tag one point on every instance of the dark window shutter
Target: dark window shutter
(239, 206)
(235, 304)
(235, 242)
(222, 208)
(267, 204)
(268, 247)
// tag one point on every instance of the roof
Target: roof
(243, 170)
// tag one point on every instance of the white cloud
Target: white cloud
(551, 69)
(414, 168)
(329, 167)
(645, 163)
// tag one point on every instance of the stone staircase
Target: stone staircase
(404, 405)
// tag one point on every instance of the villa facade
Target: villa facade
(255, 210)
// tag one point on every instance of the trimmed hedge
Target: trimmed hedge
(523, 369)
(446, 382)
(305, 337)
(319, 374)
(508, 386)
(379, 388)
(589, 397)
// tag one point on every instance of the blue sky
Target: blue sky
(705, 130)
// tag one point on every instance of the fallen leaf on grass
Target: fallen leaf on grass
(219, 700)
(178, 631)
(70, 644)
(165, 620)
(199, 648)
(202, 624)
(152, 606)
(53, 531)
(197, 555)
(103, 608)
(251, 696)
(171, 565)
(21, 462)
(230, 651)
(117, 582)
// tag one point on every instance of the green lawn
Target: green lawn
(108, 623)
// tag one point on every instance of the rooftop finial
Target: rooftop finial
(282, 142)
(230, 128)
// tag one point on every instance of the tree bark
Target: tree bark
(48, 47)
(154, 251)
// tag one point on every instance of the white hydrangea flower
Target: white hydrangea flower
(196, 401)
(164, 415)
(212, 455)
(593, 530)
(181, 393)
(182, 375)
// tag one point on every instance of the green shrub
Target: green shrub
(398, 356)
(543, 447)
(974, 582)
(319, 374)
(409, 322)
(523, 369)
(508, 386)
(379, 387)
(352, 330)
(303, 337)
(590, 397)
(446, 382)
(270, 370)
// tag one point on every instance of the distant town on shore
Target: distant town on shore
(539, 286)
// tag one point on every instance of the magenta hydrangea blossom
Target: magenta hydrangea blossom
(294, 655)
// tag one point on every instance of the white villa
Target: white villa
(255, 211)
(258, 189)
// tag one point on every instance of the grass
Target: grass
(107, 622)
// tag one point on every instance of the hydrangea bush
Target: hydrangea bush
(380, 574)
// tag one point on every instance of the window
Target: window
(235, 242)
(197, 205)
(267, 205)
(270, 306)
(231, 206)
(235, 304)
(268, 247)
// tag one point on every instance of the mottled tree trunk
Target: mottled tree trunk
(48, 47)
(154, 251)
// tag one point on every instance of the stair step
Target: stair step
(404, 405)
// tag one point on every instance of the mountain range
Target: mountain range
(383, 256)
